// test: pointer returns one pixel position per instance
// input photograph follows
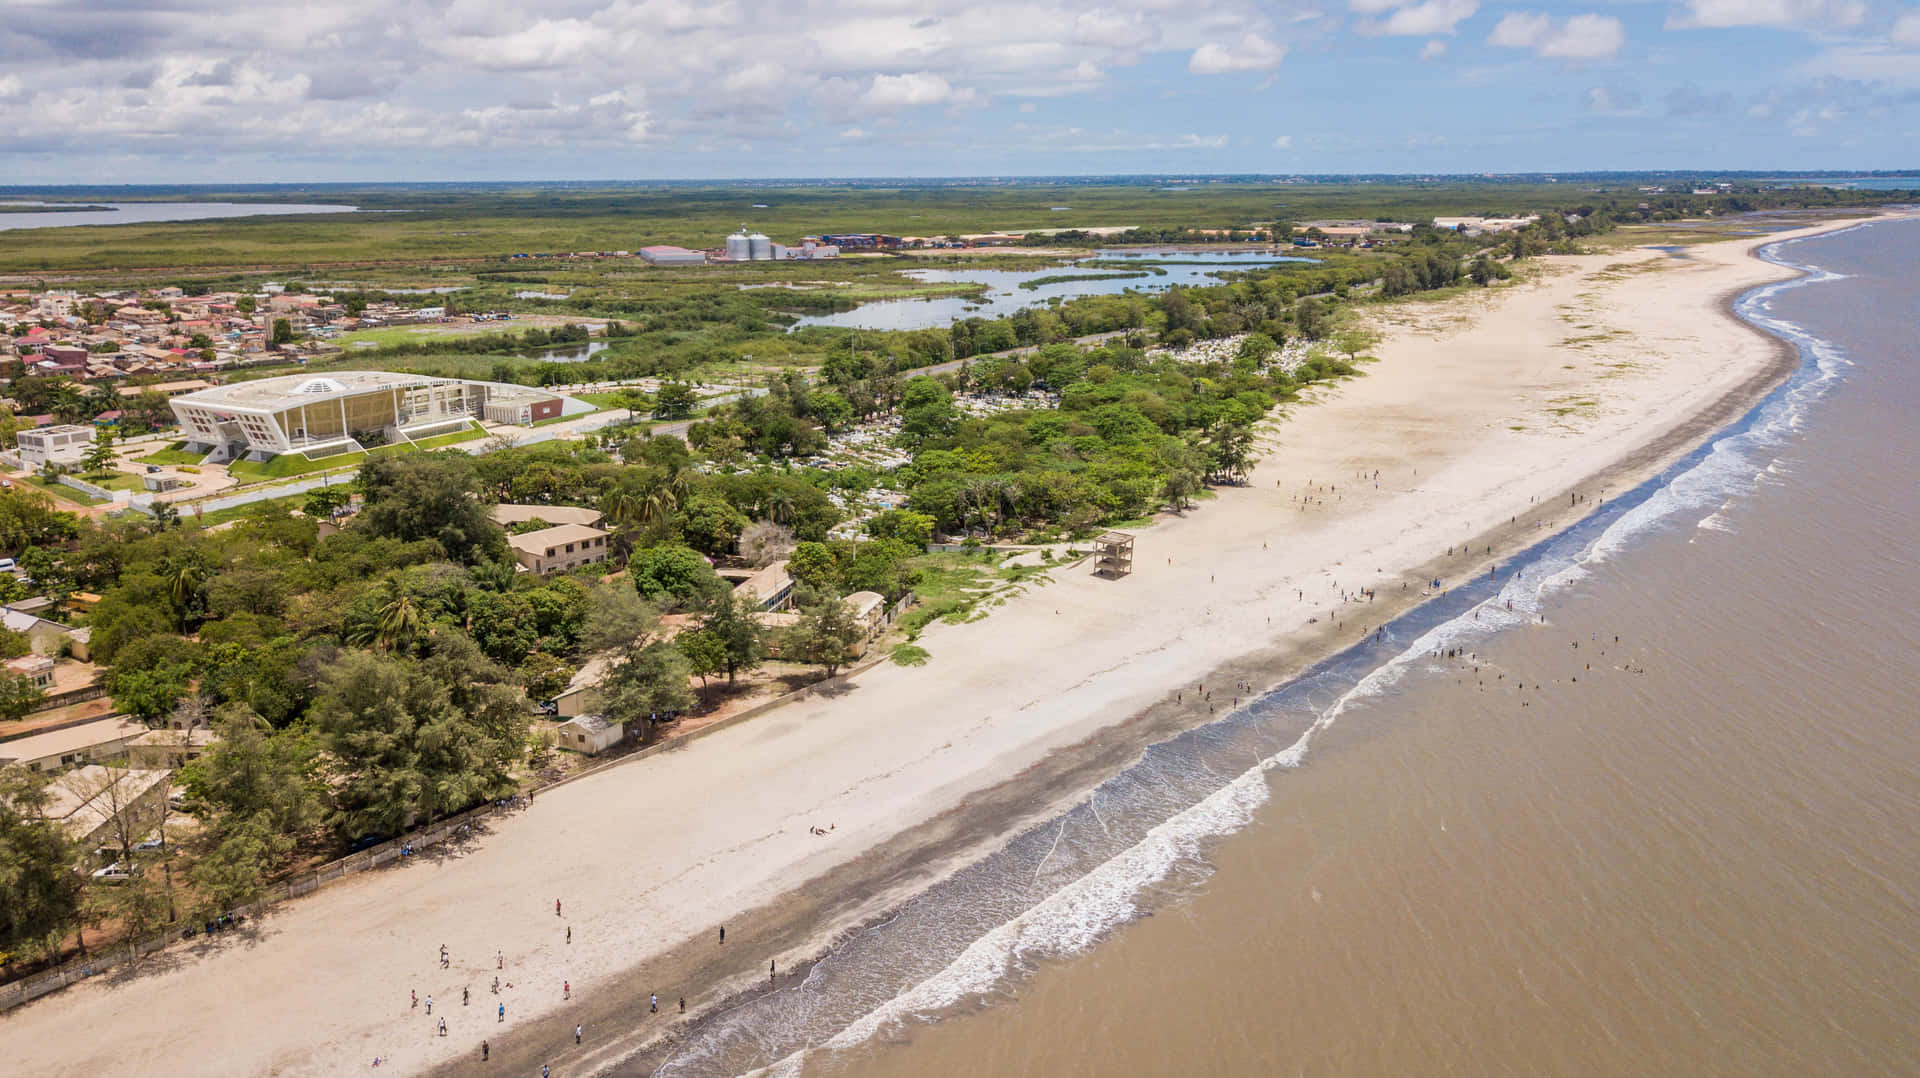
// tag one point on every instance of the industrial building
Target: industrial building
(340, 412)
(662, 255)
(744, 246)
(522, 407)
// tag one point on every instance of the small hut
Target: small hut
(1113, 554)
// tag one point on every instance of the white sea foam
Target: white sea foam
(1075, 917)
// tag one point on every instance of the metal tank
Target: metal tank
(739, 246)
(761, 247)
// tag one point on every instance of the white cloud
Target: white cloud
(1423, 19)
(1581, 37)
(1433, 50)
(906, 91)
(1906, 30)
(1720, 14)
(1870, 65)
(1521, 30)
(1254, 53)
(1284, 142)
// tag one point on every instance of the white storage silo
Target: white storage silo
(739, 246)
(761, 247)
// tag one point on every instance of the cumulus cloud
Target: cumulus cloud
(1720, 14)
(1284, 142)
(225, 76)
(1906, 30)
(1580, 37)
(1433, 50)
(1254, 53)
(1421, 20)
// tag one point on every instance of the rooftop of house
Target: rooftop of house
(508, 514)
(77, 738)
(538, 543)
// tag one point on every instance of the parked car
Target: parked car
(113, 873)
(150, 845)
(7, 565)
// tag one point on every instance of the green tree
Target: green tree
(733, 620)
(674, 401)
(99, 456)
(644, 684)
(148, 692)
(282, 331)
(926, 410)
(411, 740)
(674, 575)
(429, 496)
(825, 632)
(545, 676)
(711, 524)
(813, 565)
(706, 655)
(321, 503)
(40, 892)
(234, 872)
(18, 696)
(246, 304)
(1354, 340)
(252, 774)
(904, 525)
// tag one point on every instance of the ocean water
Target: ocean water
(1661, 816)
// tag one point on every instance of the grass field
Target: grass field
(173, 454)
(435, 227)
(65, 493)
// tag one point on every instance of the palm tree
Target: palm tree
(400, 621)
(183, 587)
(397, 623)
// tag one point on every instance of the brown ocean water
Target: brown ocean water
(1701, 857)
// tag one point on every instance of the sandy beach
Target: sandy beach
(1482, 414)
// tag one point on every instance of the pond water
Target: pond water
(138, 213)
(573, 353)
(1005, 295)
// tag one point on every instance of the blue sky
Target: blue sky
(212, 91)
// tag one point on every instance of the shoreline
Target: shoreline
(929, 852)
(958, 751)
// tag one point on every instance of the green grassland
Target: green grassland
(454, 225)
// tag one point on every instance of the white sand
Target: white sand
(651, 853)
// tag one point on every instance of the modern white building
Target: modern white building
(62, 446)
(332, 413)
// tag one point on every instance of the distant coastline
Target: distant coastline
(53, 207)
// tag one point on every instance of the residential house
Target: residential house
(560, 548)
(104, 738)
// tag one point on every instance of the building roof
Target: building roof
(508, 514)
(863, 603)
(55, 743)
(273, 394)
(78, 798)
(537, 543)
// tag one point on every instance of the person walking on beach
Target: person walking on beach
(653, 1003)
(443, 1027)
(556, 907)
(503, 1013)
(429, 1004)
(683, 1004)
(464, 989)
(569, 933)
(723, 933)
(566, 989)
(544, 1072)
(443, 956)
(483, 1051)
(416, 997)
(576, 1033)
